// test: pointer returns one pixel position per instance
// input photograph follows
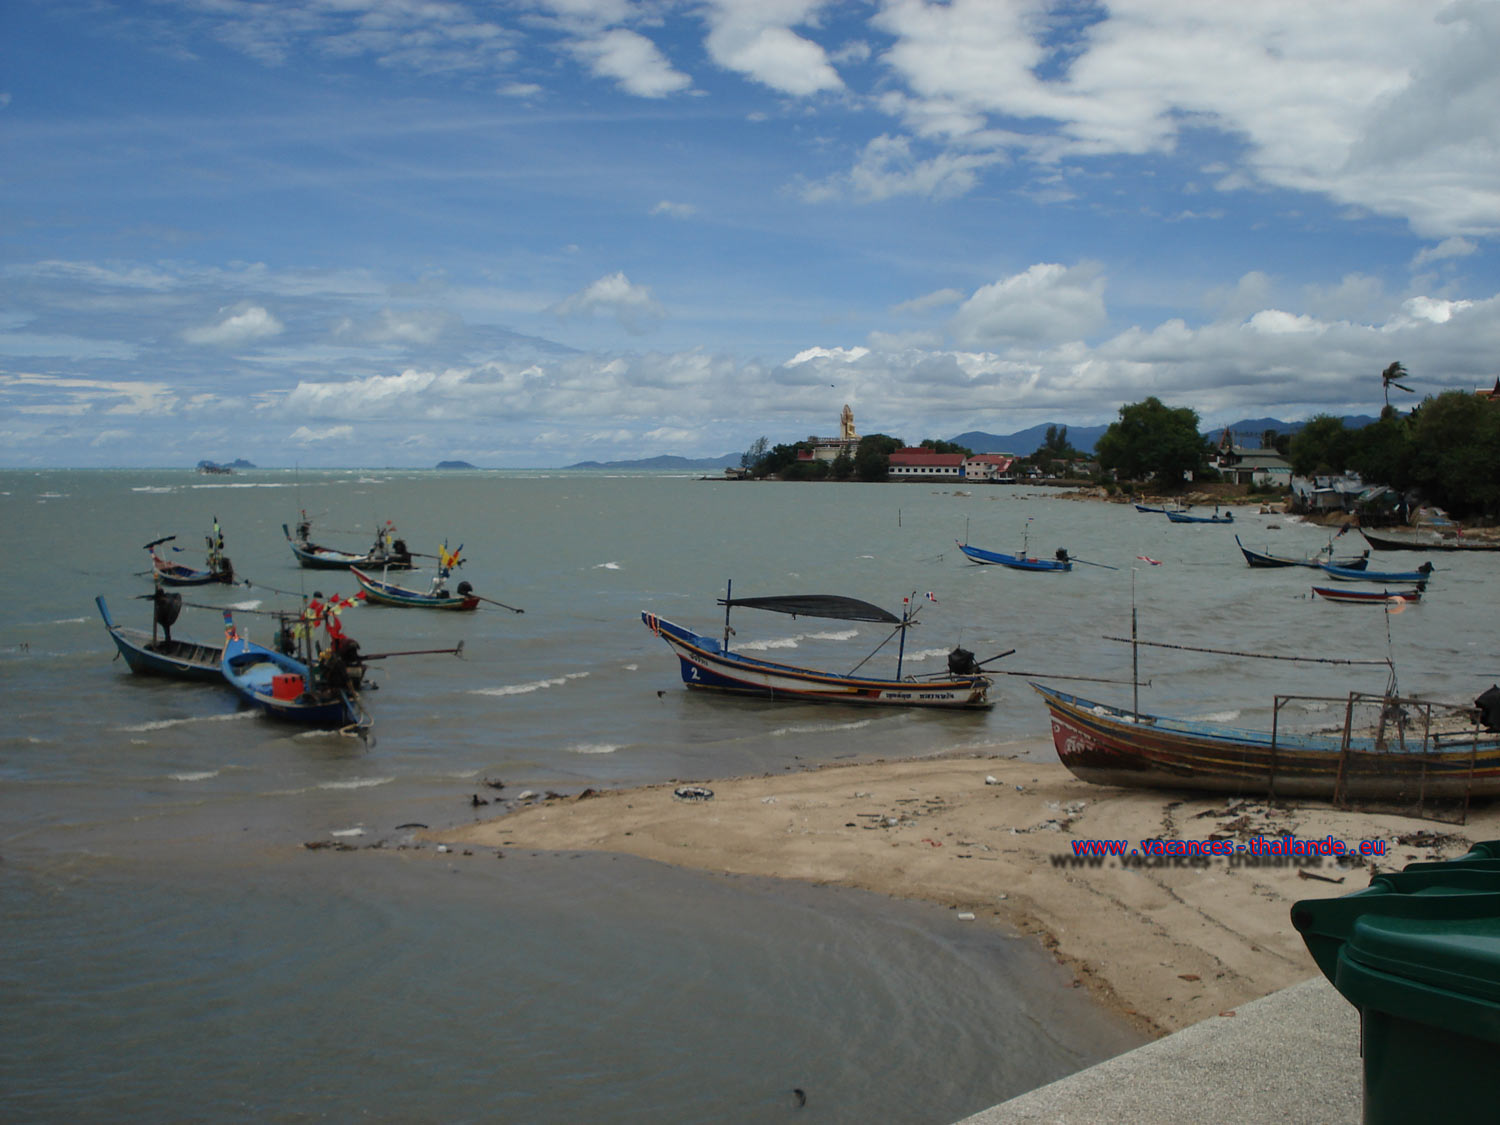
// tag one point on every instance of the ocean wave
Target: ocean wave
(201, 775)
(592, 748)
(528, 688)
(356, 783)
(346, 831)
(762, 646)
(253, 603)
(607, 566)
(164, 724)
(927, 654)
(1220, 717)
(819, 728)
(153, 488)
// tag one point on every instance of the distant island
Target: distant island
(223, 467)
(664, 462)
(455, 465)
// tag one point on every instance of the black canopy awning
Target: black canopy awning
(817, 605)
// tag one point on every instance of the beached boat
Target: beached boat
(1436, 543)
(1183, 517)
(159, 654)
(1365, 574)
(218, 568)
(1017, 562)
(1411, 753)
(1266, 560)
(386, 553)
(324, 692)
(707, 662)
(382, 592)
(1351, 596)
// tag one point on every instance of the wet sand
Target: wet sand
(1167, 942)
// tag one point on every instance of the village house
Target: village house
(997, 468)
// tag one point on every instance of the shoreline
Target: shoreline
(1164, 942)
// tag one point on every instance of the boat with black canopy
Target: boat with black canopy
(707, 662)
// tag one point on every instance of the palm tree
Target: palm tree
(1388, 379)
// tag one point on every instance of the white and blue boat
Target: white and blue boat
(150, 654)
(323, 693)
(708, 663)
(1349, 574)
(1017, 562)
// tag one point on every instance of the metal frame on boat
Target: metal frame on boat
(1408, 756)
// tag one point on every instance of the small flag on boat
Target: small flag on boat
(932, 597)
(1149, 559)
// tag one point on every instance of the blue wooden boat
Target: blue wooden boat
(218, 569)
(386, 553)
(323, 693)
(381, 592)
(1183, 517)
(1351, 596)
(1409, 755)
(1266, 560)
(149, 654)
(1347, 574)
(706, 662)
(1017, 562)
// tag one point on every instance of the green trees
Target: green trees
(1447, 450)
(1152, 439)
(872, 461)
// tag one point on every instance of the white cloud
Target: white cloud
(631, 60)
(1048, 302)
(926, 303)
(674, 210)
(1448, 248)
(755, 38)
(239, 325)
(306, 435)
(631, 305)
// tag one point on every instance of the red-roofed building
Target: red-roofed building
(924, 464)
(991, 467)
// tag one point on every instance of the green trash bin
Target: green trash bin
(1418, 953)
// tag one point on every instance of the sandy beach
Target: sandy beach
(1166, 941)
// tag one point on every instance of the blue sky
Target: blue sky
(391, 232)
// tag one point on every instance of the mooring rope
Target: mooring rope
(1250, 655)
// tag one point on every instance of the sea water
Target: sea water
(174, 951)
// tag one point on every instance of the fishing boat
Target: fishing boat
(1415, 750)
(1367, 597)
(1395, 543)
(151, 654)
(1266, 560)
(1017, 562)
(218, 568)
(382, 592)
(386, 553)
(1364, 574)
(707, 662)
(322, 691)
(1183, 517)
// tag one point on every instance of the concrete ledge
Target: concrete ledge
(1287, 1058)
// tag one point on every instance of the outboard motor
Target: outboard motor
(399, 553)
(1489, 708)
(961, 662)
(1062, 554)
(464, 589)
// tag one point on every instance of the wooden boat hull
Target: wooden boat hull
(251, 670)
(1109, 746)
(1391, 543)
(1264, 560)
(148, 656)
(1366, 597)
(706, 665)
(1348, 574)
(388, 593)
(1014, 562)
(313, 557)
(1179, 517)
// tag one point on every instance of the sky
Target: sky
(526, 234)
